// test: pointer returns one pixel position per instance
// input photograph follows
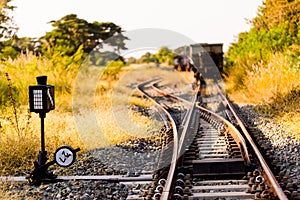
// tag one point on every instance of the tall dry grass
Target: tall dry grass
(20, 130)
(265, 81)
(275, 88)
(114, 114)
(61, 72)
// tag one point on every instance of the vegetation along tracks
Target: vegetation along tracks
(206, 155)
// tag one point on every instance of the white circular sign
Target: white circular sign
(64, 156)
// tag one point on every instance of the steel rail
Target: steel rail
(166, 191)
(187, 123)
(174, 159)
(113, 178)
(237, 136)
(171, 95)
(193, 105)
(234, 132)
(270, 176)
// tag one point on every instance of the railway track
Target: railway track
(213, 155)
(207, 153)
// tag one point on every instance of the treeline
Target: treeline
(264, 62)
(69, 35)
(72, 36)
(58, 54)
(163, 56)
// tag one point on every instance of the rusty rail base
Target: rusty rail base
(112, 178)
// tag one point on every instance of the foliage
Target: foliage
(273, 13)
(61, 72)
(98, 58)
(24, 44)
(273, 33)
(112, 69)
(71, 32)
(8, 52)
(7, 29)
(257, 46)
(267, 80)
(163, 56)
(13, 47)
(147, 58)
(263, 66)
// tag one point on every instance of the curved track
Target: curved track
(213, 157)
(208, 153)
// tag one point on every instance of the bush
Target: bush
(265, 81)
(112, 69)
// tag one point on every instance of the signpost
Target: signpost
(41, 101)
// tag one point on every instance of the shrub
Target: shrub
(265, 81)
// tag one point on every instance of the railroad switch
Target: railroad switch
(41, 101)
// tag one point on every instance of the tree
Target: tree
(99, 58)
(14, 46)
(7, 29)
(24, 44)
(147, 58)
(274, 31)
(274, 13)
(70, 32)
(165, 55)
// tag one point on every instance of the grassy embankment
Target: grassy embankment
(273, 87)
(263, 65)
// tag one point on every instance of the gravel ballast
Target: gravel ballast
(281, 148)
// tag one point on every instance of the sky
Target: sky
(203, 21)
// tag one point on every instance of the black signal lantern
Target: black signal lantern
(41, 96)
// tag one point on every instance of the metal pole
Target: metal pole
(43, 154)
(42, 133)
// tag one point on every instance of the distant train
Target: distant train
(202, 58)
(202, 55)
(182, 63)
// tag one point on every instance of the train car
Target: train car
(182, 63)
(208, 55)
(203, 53)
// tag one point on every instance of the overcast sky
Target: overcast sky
(203, 21)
